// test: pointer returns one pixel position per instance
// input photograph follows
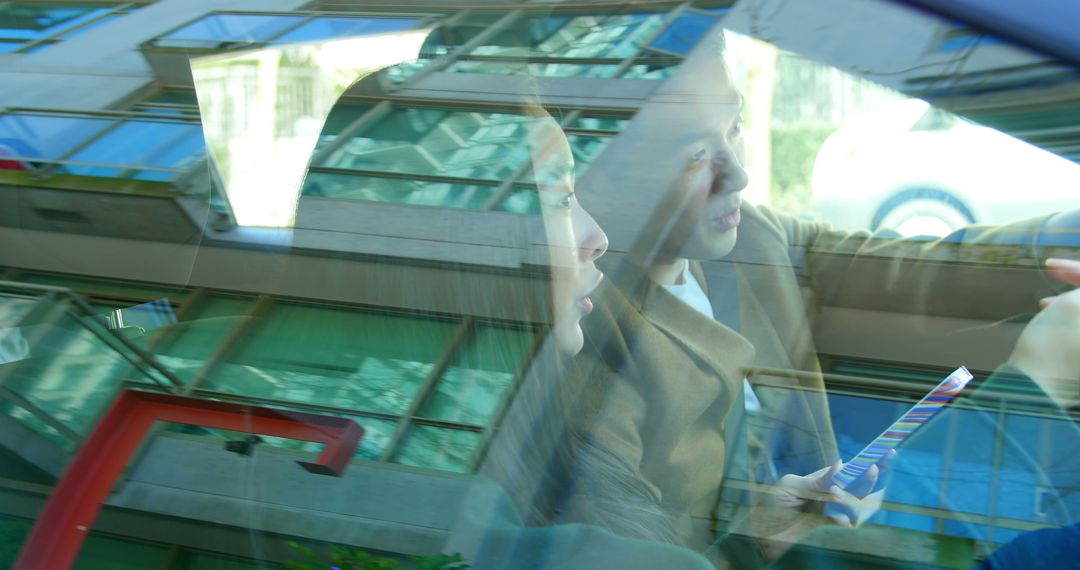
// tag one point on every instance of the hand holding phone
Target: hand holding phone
(902, 428)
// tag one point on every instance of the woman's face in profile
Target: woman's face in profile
(574, 239)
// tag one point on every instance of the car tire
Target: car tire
(922, 212)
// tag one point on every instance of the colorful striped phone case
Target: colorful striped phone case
(918, 415)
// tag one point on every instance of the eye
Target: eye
(565, 201)
(736, 128)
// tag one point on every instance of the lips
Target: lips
(584, 303)
(728, 220)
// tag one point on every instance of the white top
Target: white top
(691, 293)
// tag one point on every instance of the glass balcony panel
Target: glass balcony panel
(217, 29)
(439, 448)
(472, 387)
(325, 28)
(36, 424)
(142, 143)
(397, 191)
(70, 371)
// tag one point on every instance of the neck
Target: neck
(667, 272)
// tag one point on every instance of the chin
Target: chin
(712, 245)
(569, 339)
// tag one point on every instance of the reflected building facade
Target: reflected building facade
(130, 262)
(196, 199)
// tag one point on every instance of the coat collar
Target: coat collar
(718, 346)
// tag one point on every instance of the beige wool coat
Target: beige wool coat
(661, 385)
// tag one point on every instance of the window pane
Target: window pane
(438, 448)
(684, 32)
(142, 143)
(600, 71)
(341, 116)
(472, 386)
(86, 28)
(179, 102)
(432, 141)
(217, 29)
(655, 71)
(615, 36)
(397, 191)
(327, 28)
(597, 123)
(31, 22)
(43, 136)
(335, 356)
(586, 149)
(523, 200)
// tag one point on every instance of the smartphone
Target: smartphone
(902, 428)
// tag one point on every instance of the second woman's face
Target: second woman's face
(575, 240)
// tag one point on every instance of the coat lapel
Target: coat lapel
(716, 345)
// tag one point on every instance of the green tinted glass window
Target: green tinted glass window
(471, 388)
(595, 70)
(334, 356)
(523, 200)
(199, 335)
(377, 434)
(397, 191)
(438, 142)
(597, 123)
(439, 448)
(341, 116)
(72, 375)
(615, 36)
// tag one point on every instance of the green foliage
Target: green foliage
(441, 562)
(12, 535)
(794, 150)
(353, 559)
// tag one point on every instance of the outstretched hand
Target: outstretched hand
(1049, 348)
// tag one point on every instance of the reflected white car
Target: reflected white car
(923, 171)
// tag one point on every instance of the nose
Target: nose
(592, 241)
(731, 176)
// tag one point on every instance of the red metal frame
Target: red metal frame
(60, 530)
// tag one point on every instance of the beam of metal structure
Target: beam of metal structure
(64, 523)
